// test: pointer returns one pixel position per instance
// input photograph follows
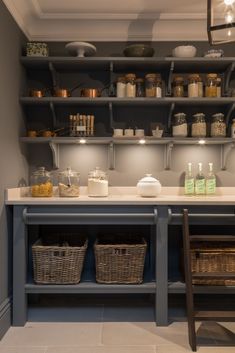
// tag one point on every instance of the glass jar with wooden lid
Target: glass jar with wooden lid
(199, 125)
(193, 86)
(152, 82)
(130, 85)
(178, 86)
(211, 85)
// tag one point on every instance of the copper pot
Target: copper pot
(31, 133)
(90, 92)
(61, 92)
(38, 93)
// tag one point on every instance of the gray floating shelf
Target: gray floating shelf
(179, 287)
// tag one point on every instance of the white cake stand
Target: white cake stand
(81, 49)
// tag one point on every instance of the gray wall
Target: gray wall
(14, 168)
(134, 161)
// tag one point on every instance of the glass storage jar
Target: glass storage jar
(41, 184)
(68, 183)
(178, 86)
(140, 92)
(97, 183)
(211, 85)
(200, 86)
(153, 87)
(199, 125)
(233, 129)
(121, 87)
(218, 125)
(193, 86)
(218, 87)
(130, 85)
(180, 126)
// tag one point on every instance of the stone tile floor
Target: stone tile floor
(110, 326)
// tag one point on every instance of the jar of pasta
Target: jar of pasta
(218, 125)
(130, 85)
(193, 86)
(199, 125)
(178, 86)
(41, 184)
(211, 85)
(180, 126)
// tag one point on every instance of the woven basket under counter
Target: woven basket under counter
(55, 264)
(211, 258)
(120, 260)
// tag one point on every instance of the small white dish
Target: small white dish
(184, 51)
(214, 53)
(81, 49)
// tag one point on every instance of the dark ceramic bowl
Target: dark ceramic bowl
(138, 50)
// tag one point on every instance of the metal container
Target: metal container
(90, 92)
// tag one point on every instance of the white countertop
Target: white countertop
(123, 196)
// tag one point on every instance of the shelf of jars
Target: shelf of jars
(128, 101)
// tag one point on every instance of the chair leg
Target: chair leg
(192, 334)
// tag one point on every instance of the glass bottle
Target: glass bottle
(178, 87)
(211, 85)
(199, 125)
(150, 85)
(158, 87)
(121, 87)
(200, 182)
(200, 86)
(41, 184)
(189, 181)
(193, 86)
(233, 129)
(140, 91)
(68, 183)
(97, 183)
(210, 181)
(130, 85)
(218, 89)
(180, 126)
(218, 125)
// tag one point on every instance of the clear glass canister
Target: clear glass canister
(193, 86)
(199, 125)
(180, 126)
(218, 86)
(178, 86)
(211, 85)
(41, 184)
(218, 125)
(121, 87)
(200, 86)
(140, 91)
(97, 183)
(69, 183)
(130, 85)
(153, 86)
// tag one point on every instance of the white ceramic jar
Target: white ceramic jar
(149, 186)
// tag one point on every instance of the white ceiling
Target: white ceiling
(110, 20)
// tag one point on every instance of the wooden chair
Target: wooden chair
(192, 314)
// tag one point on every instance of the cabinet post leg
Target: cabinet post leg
(19, 268)
(162, 267)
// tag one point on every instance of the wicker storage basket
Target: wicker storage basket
(213, 258)
(120, 260)
(57, 264)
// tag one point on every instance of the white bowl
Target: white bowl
(184, 51)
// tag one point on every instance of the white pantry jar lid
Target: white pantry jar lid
(149, 179)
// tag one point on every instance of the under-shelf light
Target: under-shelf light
(142, 141)
(201, 142)
(82, 141)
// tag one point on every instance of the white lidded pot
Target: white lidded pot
(149, 186)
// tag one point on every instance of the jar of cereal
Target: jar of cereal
(218, 125)
(199, 125)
